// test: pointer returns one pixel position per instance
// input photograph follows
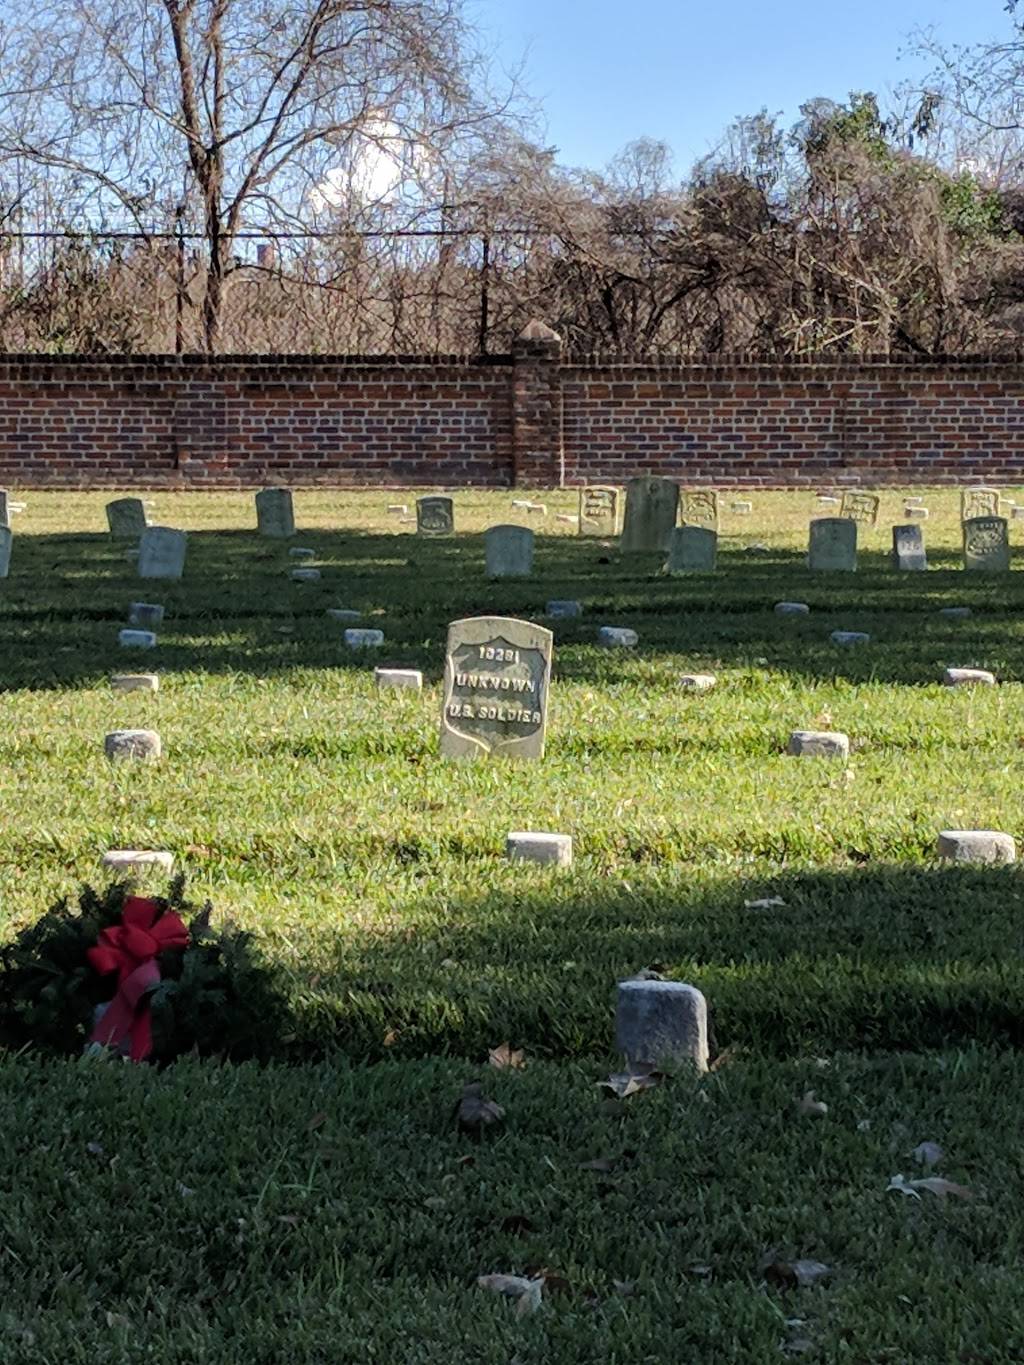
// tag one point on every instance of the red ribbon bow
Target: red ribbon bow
(130, 949)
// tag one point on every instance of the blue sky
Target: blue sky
(609, 71)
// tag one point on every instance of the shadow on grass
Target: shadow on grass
(873, 957)
(237, 610)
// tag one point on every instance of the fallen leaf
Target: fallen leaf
(725, 1057)
(475, 1113)
(768, 903)
(505, 1056)
(796, 1274)
(812, 1106)
(604, 1164)
(928, 1154)
(526, 1293)
(625, 1083)
(185, 1190)
(933, 1183)
(391, 1037)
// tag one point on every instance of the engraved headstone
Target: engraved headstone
(126, 518)
(6, 541)
(497, 674)
(699, 507)
(435, 516)
(599, 510)
(661, 1021)
(693, 549)
(978, 502)
(275, 513)
(860, 507)
(162, 552)
(833, 545)
(509, 551)
(652, 506)
(986, 544)
(5, 508)
(908, 548)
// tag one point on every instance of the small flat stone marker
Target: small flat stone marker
(275, 513)
(305, 575)
(661, 1021)
(398, 677)
(742, 507)
(364, 639)
(915, 512)
(521, 504)
(135, 682)
(976, 846)
(849, 637)
(301, 552)
(398, 509)
(955, 613)
(136, 639)
(617, 637)
(567, 518)
(138, 860)
(132, 744)
(818, 744)
(697, 682)
(560, 608)
(344, 614)
(791, 609)
(968, 677)
(539, 848)
(1017, 514)
(147, 614)
(827, 500)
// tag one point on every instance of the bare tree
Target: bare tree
(226, 115)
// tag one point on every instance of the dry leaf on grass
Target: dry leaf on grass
(933, 1183)
(505, 1056)
(812, 1106)
(526, 1293)
(928, 1154)
(625, 1083)
(474, 1112)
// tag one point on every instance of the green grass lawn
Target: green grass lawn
(316, 812)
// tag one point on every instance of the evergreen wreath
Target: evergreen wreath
(200, 990)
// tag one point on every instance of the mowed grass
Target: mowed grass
(328, 1210)
(316, 810)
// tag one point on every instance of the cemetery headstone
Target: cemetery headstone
(976, 846)
(145, 614)
(162, 552)
(344, 614)
(132, 744)
(6, 543)
(617, 637)
(5, 508)
(599, 510)
(661, 1021)
(699, 507)
(136, 861)
(968, 677)
(363, 639)
(833, 545)
(652, 506)
(860, 507)
(692, 549)
(435, 516)
(497, 675)
(305, 575)
(522, 846)
(275, 513)
(978, 502)
(697, 682)
(136, 639)
(560, 609)
(850, 637)
(741, 507)
(955, 613)
(398, 678)
(135, 682)
(791, 609)
(508, 551)
(986, 544)
(126, 518)
(818, 744)
(908, 548)
(301, 552)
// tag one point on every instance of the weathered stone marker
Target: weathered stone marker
(136, 639)
(599, 510)
(661, 1021)
(968, 677)
(791, 609)
(410, 678)
(135, 682)
(617, 637)
(850, 637)
(435, 516)
(5, 508)
(652, 506)
(908, 548)
(522, 846)
(363, 639)
(132, 744)
(860, 507)
(497, 675)
(305, 575)
(301, 552)
(833, 545)
(978, 502)
(818, 744)
(741, 507)
(561, 609)
(344, 614)
(136, 861)
(508, 551)
(126, 518)
(275, 513)
(692, 549)
(697, 682)
(955, 613)
(146, 614)
(699, 507)
(6, 545)
(976, 846)
(986, 544)
(162, 552)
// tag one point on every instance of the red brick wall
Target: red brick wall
(528, 418)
